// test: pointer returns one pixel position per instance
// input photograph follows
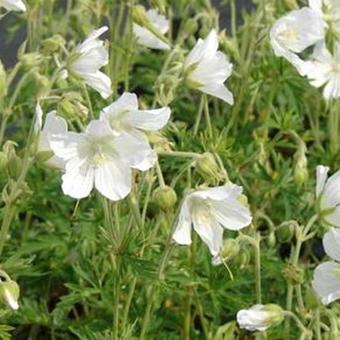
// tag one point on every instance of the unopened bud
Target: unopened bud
(271, 240)
(160, 4)
(208, 168)
(9, 294)
(230, 249)
(165, 197)
(285, 233)
(53, 44)
(140, 17)
(14, 163)
(291, 4)
(190, 27)
(30, 60)
(300, 166)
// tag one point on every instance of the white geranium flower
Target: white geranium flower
(328, 195)
(326, 71)
(13, 5)
(208, 69)
(329, 9)
(146, 37)
(260, 317)
(89, 57)
(125, 118)
(209, 211)
(293, 33)
(53, 125)
(96, 158)
(326, 281)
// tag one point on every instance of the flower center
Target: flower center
(289, 36)
(201, 209)
(98, 150)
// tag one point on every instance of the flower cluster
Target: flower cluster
(293, 34)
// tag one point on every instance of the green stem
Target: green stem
(199, 115)
(258, 267)
(207, 116)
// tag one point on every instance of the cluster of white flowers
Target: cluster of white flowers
(103, 156)
(300, 29)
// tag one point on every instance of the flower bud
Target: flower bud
(160, 4)
(9, 293)
(3, 81)
(53, 44)
(293, 274)
(230, 249)
(190, 27)
(291, 4)
(14, 163)
(284, 233)
(260, 317)
(271, 240)
(300, 166)
(140, 17)
(30, 60)
(165, 197)
(208, 168)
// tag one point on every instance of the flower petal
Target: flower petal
(149, 120)
(321, 178)
(326, 281)
(182, 233)
(113, 180)
(78, 179)
(331, 243)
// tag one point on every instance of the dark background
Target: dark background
(8, 50)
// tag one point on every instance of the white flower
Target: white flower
(208, 69)
(146, 37)
(326, 70)
(125, 118)
(13, 5)
(328, 194)
(259, 317)
(293, 33)
(54, 125)
(209, 211)
(329, 9)
(96, 158)
(326, 280)
(90, 56)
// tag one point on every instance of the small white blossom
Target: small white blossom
(293, 33)
(208, 69)
(146, 37)
(326, 280)
(328, 195)
(209, 211)
(126, 118)
(96, 158)
(53, 125)
(13, 5)
(326, 71)
(259, 317)
(90, 56)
